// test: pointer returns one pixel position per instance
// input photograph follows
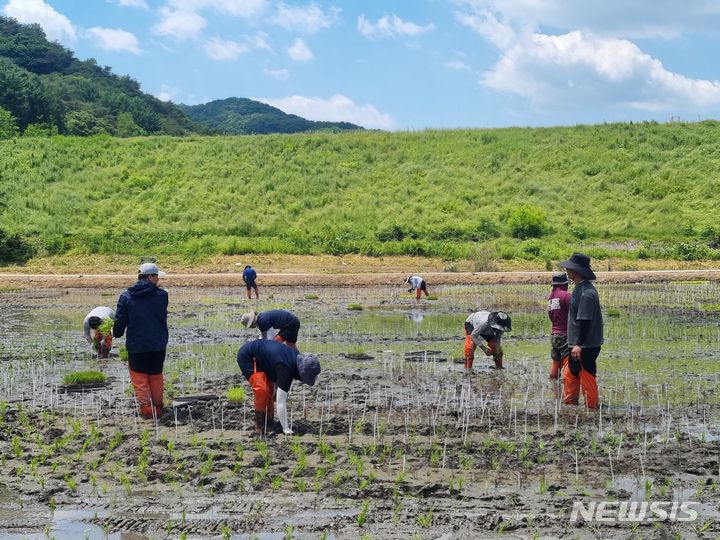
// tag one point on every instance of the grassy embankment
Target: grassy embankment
(473, 198)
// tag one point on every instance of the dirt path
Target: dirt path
(234, 279)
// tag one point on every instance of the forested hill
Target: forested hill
(47, 90)
(241, 116)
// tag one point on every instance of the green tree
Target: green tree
(8, 126)
(126, 126)
(40, 130)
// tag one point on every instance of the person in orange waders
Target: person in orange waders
(418, 285)
(268, 365)
(276, 324)
(585, 333)
(558, 305)
(142, 311)
(484, 327)
(97, 327)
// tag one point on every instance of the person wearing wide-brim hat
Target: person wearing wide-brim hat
(268, 364)
(558, 305)
(485, 329)
(276, 324)
(585, 333)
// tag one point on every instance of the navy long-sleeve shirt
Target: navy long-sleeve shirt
(142, 310)
(270, 357)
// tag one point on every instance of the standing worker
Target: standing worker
(249, 276)
(585, 333)
(277, 324)
(488, 326)
(418, 285)
(268, 364)
(142, 310)
(99, 323)
(558, 305)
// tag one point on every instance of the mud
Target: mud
(403, 444)
(304, 279)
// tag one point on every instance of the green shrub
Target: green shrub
(483, 258)
(355, 307)
(527, 222)
(85, 377)
(13, 249)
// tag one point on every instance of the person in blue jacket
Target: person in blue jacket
(142, 311)
(249, 276)
(276, 324)
(268, 365)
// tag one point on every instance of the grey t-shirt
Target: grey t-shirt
(585, 306)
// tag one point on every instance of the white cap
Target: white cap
(150, 269)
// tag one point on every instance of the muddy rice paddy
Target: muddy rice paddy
(394, 441)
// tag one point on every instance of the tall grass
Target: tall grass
(632, 190)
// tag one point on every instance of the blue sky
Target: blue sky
(409, 64)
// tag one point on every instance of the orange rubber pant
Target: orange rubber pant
(148, 392)
(557, 368)
(290, 344)
(470, 349)
(584, 381)
(263, 392)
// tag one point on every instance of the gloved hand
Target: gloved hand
(411, 289)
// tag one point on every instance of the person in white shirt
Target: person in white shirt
(484, 329)
(418, 285)
(97, 327)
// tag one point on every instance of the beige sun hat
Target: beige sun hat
(248, 319)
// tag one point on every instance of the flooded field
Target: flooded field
(394, 441)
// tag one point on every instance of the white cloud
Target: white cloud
(167, 93)
(113, 39)
(133, 3)
(57, 26)
(390, 27)
(619, 18)
(219, 49)
(336, 109)
(299, 51)
(259, 41)
(575, 69)
(305, 19)
(179, 24)
(486, 24)
(279, 74)
(457, 65)
(238, 8)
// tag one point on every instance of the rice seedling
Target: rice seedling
(84, 377)
(236, 394)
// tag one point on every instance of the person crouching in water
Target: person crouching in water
(268, 365)
(276, 324)
(97, 327)
(484, 329)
